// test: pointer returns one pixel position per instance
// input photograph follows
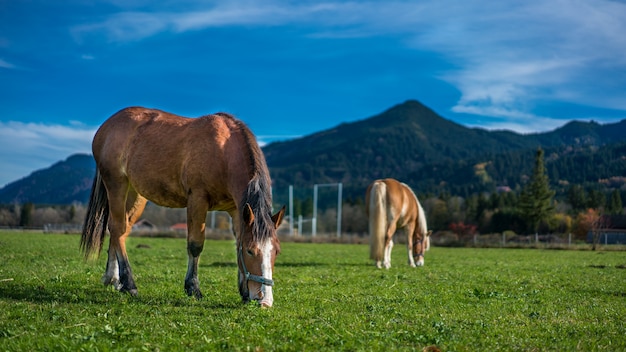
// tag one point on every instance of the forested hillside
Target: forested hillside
(409, 142)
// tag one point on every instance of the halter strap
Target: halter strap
(421, 253)
(252, 277)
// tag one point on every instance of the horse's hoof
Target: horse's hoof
(192, 291)
(130, 291)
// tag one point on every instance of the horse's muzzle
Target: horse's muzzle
(264, 296)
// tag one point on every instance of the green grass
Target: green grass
(327, 297)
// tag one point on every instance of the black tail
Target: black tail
(96, 219)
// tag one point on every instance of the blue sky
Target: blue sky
(291, 68)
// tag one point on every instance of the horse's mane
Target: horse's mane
(258, 192)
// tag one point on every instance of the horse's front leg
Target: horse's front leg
(196, 217)
(192, 284)
(409, 244)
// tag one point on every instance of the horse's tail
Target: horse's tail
(96, 219)
(377, 217)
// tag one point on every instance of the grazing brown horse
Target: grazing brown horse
(390, 206)
(208, 163)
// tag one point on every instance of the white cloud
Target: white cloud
(6, 64)
(505, 54)
(25, 147)
(124, 27)
(264, 140)
(512, 54)
(509, 119)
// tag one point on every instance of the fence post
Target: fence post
(291, 217)
(314, 225)
(503, 239)
(536, 238)
(569, 239)
(300, 225)
(339, 206)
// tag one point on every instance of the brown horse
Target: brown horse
(208, 163)
(390, 206)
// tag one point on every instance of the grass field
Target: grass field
(327, 297)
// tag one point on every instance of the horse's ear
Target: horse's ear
(278, 217)
(248, 215)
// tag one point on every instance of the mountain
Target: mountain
(65, 182)
(409, 142)
(412, 143)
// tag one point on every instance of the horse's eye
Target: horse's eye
(250, 253)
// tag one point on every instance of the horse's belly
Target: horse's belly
(162, 194)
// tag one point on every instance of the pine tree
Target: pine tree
(535, 202)
(615, 204)
(26, 214)
(577, 197)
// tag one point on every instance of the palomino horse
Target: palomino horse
(392, 205)
(208, 163)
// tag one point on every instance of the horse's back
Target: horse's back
(161, 155)
(116, 133)
(401, 202)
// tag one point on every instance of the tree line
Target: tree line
(531, 209)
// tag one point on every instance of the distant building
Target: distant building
(144, 225)
(180, 227)
(609, 236)
(615, 231)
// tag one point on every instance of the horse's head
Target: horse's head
(419, 246)
(257, 248)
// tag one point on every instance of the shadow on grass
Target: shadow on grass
(220, 265)
(40, 294)
(285, 264)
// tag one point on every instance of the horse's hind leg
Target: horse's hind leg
(388, 248)
(389, 244)
(125, 207)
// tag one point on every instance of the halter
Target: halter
(252, 277)
(421, 253)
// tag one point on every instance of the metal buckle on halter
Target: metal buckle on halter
(248, 276)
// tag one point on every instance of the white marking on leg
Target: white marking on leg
(387, 262)
(112, 273)
(267, 297)
(411, 260)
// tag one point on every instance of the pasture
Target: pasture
(327, 297)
